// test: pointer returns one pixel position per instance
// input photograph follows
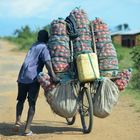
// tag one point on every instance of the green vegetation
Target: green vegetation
(136, 98)
(136, 58)
(124, 56)
(24, 37)
(130, 57)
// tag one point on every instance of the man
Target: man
(28, 86)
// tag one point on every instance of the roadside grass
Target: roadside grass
(126, 62)
(124, 57)
(135, 94)
(16, 46)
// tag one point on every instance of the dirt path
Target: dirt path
(122, 124)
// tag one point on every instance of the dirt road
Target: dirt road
(122, 124)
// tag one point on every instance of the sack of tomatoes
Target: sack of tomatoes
(124, 78)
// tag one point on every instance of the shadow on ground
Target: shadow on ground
(6, 129)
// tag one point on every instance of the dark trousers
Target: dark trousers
(29, 91)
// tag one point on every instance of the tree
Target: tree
(47, 27)
(24, 32)
(126, 26)
(25, 37)
(123, 27)
(119, 27)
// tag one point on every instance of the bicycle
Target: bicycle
(85, 101)
(85, 96)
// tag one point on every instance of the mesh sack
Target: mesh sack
(107, 56)
(83, 43)
(59, 46)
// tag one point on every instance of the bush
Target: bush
(119, 55)
(24, 37)
(136, 58)
(136, 80)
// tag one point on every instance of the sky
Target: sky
(37, 13)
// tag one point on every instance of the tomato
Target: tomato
(101, 27)
(99, 33)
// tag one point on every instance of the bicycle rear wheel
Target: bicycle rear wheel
(86, 110)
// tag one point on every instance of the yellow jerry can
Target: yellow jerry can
(87, 65)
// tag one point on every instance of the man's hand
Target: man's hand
(54, 78)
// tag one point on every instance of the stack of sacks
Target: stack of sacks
(123, 80)
(82, 43)
(107, 56)
(58, 27)
(59, 46)
(45, 81)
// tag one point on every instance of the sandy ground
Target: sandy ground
(122, 124)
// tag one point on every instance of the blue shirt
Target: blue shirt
(34, 62)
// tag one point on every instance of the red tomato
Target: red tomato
(101, 27)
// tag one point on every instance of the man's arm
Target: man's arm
(46, 58)
(49, 67)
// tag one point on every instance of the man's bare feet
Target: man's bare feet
(16, 127)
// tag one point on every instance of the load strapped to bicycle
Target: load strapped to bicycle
(81, 53)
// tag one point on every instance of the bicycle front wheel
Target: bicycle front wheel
(86, 110)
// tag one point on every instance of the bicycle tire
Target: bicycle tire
(86, 111)
(71, 121)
